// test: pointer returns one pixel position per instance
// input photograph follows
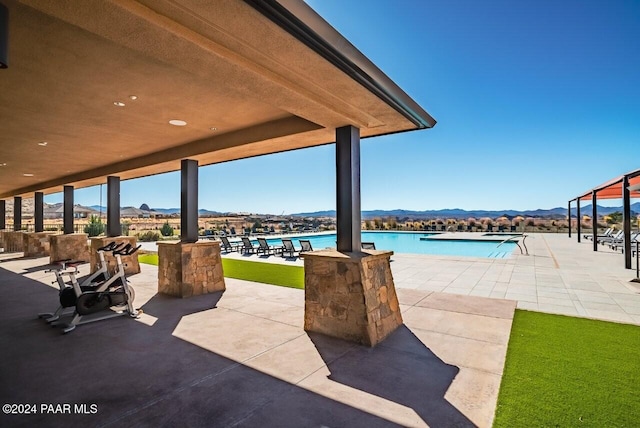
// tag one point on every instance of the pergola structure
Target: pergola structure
(625, 187)
(112, 90)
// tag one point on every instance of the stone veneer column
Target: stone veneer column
(131, 264)
(73, 246)
(189, 269)
(350, 296)
(13, 241)
(36, 244)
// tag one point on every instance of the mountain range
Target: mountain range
(558, 212)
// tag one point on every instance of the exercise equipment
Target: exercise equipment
(67, 294)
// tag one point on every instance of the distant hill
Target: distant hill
(558, 212)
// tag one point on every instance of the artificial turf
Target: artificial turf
(267, 273)
(564, 372)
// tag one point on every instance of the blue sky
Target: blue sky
(536, 102)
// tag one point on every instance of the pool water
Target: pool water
(412, 244)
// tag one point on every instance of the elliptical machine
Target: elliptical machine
(114, 296)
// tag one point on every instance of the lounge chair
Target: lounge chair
(287, 247)
(619, 243)
(607, 233)
(368, 245)
(306, 245)
(612, 238)
(266, 249)
(247, 246)
(228, 246)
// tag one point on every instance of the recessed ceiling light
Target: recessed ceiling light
(42, 143)
(3, 164)
(133, 97)
(28, 175)
(118, 104)
(177, 122)
(213, 128)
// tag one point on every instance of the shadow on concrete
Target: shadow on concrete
(400, 369)
(141, 374)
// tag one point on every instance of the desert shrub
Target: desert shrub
(125, 226)
(166, 229)
(148, 236)
(95, 226)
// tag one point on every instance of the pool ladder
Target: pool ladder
(514, 239)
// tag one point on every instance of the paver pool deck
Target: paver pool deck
(241, 358)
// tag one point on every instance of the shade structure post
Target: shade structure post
(3, 214)
(67, 211)
(189, 201)
(38, 211)
(626, 221)
(348, 189)
(113, 207)
(578, 219)
(569, 218)
(17, 213)
(594, 219)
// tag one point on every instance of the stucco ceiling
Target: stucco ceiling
(221, 65)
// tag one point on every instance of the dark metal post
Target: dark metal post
(569, 216)
(3, 215)
(579, 228)
(67, 211)
(626, 221)
(17, 213)
(189, 201)
(113, 207)
(348, 188)
(594, 219)
(38, 211)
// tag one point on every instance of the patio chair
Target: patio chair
(228, 246)
(247, 246)
(306, 245)
(368, 245)
(619, 243)
(266, 249)
(607, 233)
(288, 248)
(611, 238)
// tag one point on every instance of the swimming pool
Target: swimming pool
(412, 244)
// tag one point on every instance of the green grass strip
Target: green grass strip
(267, 273)
(567, 372)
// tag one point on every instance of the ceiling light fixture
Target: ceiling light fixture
(3, 164)
(177, 122)
(213, 128)
(43, 143)
(28, 175)
(118, 104)
(133, 97)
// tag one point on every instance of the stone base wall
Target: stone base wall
(74, 246)
(131, 264)
(36, 244)
(350, 296)
(186, 270)
(13, 241)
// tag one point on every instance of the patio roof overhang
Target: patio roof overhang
(249, 78)
(612, 189)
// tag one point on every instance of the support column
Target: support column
(594, 219)
(569, 217)
(68, 210)
(113, 207)
(38, 212)
(3, 214)
(17, 213)
(189, 201)
(348, 189)
(626, 221)
(578, 215)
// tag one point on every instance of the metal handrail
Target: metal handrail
(514, 239)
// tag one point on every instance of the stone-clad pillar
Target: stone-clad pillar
(189, 269)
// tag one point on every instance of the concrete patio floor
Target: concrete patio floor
(241, 358)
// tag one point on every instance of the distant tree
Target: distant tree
(166, 229)
(95, 226)
(615, 217)
(367, 225)
(378, 223)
